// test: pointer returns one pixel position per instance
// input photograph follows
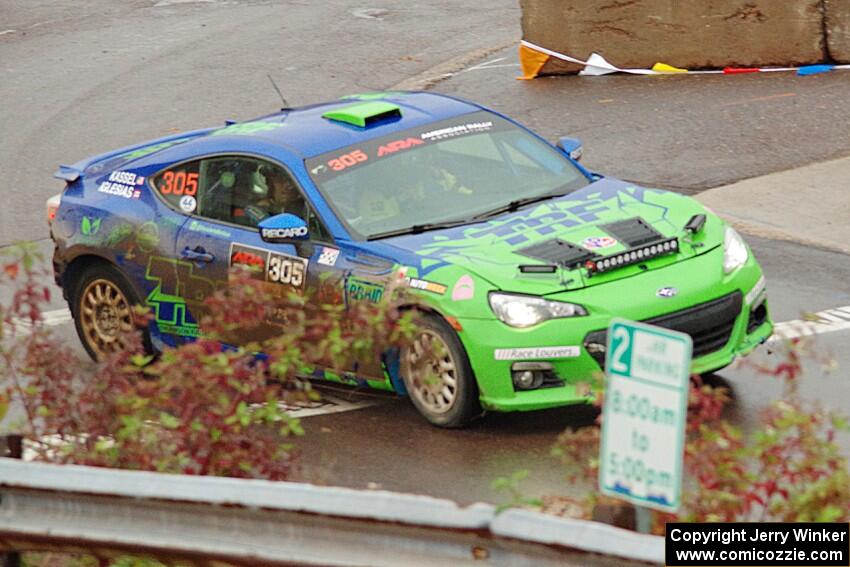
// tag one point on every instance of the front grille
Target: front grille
(634, 232)
(709, 324)
(557, 251)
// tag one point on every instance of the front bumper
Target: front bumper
(715, 308)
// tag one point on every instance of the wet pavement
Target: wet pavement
(389, 446)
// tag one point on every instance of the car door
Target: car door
(233, 194)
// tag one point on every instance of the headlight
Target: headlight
(735, 252)
(526, 310)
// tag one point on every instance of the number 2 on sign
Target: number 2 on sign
(620, 348)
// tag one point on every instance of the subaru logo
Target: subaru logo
(667, 292)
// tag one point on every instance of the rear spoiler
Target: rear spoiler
(68, 173)
(71, 173)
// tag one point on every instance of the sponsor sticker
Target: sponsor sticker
(398, 145)
(459, 130)
(284, 233)
(90, 226)
(667, 292)
(121, 184)
(248, 256)
(188, 204)
(328, 256)
(754, 293)
(425, 285)
(597, 242)
(286, 270)
(464, 288)
(196, 226)
(357, 289)
(537, 353)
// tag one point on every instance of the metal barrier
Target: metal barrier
(272, 523)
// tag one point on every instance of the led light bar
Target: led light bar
(632, 256)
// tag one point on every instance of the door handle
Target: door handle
(197, 255)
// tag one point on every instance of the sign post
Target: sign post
(644, 416)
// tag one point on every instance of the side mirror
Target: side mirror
(285, 227)
(571, 146)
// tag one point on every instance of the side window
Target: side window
(179, 186)
(236, 189)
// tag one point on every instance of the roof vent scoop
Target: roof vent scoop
(364, 114)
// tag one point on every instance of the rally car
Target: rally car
(516, 255)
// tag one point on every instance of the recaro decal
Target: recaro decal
(284, 233)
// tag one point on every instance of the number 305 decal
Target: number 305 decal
(286, 270)
(179, 183)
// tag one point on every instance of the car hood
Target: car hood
(497, 248)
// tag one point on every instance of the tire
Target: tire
(450, 400)
(102, 305)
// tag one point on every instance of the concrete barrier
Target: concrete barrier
(692, 34)
(837, 28)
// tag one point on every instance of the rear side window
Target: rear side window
(179, 186)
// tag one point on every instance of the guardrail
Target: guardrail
(272, 523)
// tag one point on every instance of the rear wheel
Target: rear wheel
(102, 305)
(438, 376)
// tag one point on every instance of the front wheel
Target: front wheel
(438, 376)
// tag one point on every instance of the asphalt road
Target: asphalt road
(82, 77)
(78, 77)
(684, 132)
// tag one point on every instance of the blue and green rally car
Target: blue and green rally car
(517, 257)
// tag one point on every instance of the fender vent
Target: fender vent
(556, 251)
(634, 232)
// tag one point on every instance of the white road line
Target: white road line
(4, 32)
(829, 321)
(327, 405)
(490, 65)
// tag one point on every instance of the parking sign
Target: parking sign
(644, 415)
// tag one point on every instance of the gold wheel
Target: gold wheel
(432, 372)
(105, 316)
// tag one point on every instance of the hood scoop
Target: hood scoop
(558, 252)
(632, 232)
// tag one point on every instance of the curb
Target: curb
(447, 69)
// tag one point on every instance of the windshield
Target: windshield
(456, 169)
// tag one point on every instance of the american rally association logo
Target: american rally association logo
(667, 292)
(597, 242)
